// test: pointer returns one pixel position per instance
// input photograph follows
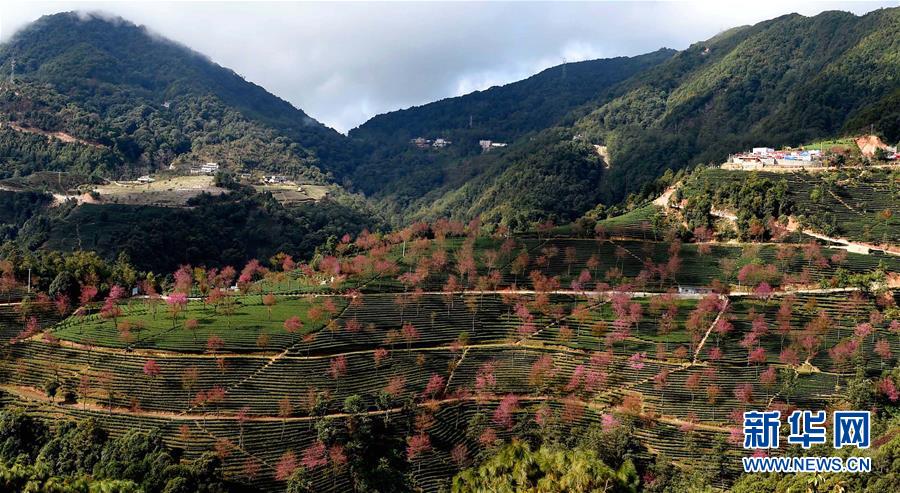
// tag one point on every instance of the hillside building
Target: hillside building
(275, 179)
(487, 145)
(760, 157)
(205, 169)
(421, 142)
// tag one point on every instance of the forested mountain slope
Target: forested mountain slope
(150, 102)
(504, 113)
(786, 81)
(130, 103)
(400, 175)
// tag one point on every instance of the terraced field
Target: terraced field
(857, 205)
(664, 365)
(239, 321)
(427, 343)
(589, 263)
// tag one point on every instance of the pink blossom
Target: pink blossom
(417, 445)
(177, 299)
(435, 386)
(887, 387)
(636, 361)
(151, 368)
(608, 422)
(503, 415)
(575, 381)
(314, 456)
(863, 330)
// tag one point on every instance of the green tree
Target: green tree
(515, 467)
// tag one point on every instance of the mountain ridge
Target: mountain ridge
(110, 68)
(771, 83)
(784, 81)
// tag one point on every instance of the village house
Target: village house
(421, 142)
(760, 157)
(275, 179)
(205, 169)
(440, 143)
(487, 145)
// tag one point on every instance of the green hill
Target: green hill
(129, 102)
(150, 102)
(786, 81)
(504, 113)
(407, 181)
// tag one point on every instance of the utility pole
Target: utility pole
(564, 64)
(470, 121)
(12, 71)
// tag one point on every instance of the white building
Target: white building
(440, 143)
(420, 142)
(275, 179)
(487, 145)
(209, 168)
(205, 169)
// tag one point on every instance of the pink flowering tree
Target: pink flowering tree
(151, 368)
(292, 326)
(504, 414)
(286, 466)
(337, 368)
(177, 303)
(435, 386)
(417, 445)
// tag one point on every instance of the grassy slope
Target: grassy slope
(155, 328)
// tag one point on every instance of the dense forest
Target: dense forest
(82, 457)
(122, 102)
(787, 81)
(214, 230)
(150, 102)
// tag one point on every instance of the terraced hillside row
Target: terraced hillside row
(587, 264)
(859, 205)
(467, 371)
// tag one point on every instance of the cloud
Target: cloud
(345, 62)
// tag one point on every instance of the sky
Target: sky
(344, 62)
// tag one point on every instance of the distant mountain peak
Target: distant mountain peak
(112, 68)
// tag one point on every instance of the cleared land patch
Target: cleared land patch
(167, 192)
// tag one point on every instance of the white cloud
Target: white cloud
(344, 62)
